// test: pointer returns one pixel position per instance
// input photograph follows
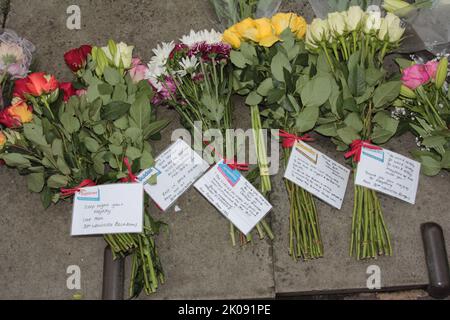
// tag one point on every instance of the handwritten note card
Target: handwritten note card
(389, 173)
(177, 169)
(318, 174)
(108, 209)
(234, 196)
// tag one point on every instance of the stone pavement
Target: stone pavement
(36, 247)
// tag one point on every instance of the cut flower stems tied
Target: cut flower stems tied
(63, 140)
(270, 75)
(350, 48)
(194, 77)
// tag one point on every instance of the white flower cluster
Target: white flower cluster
(157, 66)
(204, 36)
(341, 24)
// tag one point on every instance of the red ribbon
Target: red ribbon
(72, 191)
(356, 149)
(289, 139)
(131, 177)
(237, 166)
(233, 164)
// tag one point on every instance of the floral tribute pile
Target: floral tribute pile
(327, 77)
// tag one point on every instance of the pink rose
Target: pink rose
(415, 76)
(432, 67)
(138, 70)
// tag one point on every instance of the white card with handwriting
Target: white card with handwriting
(234, 196)
(389, 173)
(318, 174)
(108, 209)
(176, 169)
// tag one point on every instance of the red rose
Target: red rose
(68, 90)
(15, 115)
(76, 58)
(40, 83)
(21, 88)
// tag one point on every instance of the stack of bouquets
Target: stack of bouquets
(350, 48)
(65, 136)
(424, 106)
(193, 77)
(271, 68)
(16, 55)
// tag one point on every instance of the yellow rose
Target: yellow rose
(21, 111)
(247, 29)
(232, 37)
(266, 36)
(297, 24)
(2, 140)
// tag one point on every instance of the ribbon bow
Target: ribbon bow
(131, 177)
(289, 139)
(72, 191)
(356, 149)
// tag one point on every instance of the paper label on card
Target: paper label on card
(234, 196)
(177, 169)
(108, 209)
(389, 173)
(318, 174)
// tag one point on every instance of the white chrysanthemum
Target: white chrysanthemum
(157, 65)
(188, 64)
(209, 37)
(162, 53)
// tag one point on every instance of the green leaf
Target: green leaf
(134, 134)
(348, 135)
(386, 93)
(36, 182)
(307, 119)
(140, 111)
(112, 76)
(238, 59)
(357, 80)
(57, 181)
(327, 130)
(430, 166)
(316, 92)
(115, 110)
(91, 144)
(446, 160)
(117, 150)
(122, 123)
(155, 127)
(35, 134)
(57, 148)
(373, 76)
(133, 153)
(279, 63)
(380, 135)
(354, 120)
(434, 142)
(253, 99)
(62, 166)
(146, 160)
(70, 123)
(265, 87)
(16, 160)
(46, 197)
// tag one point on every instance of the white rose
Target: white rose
(354, 17)
(319, 30)
(336, 23)
(372, 22)
(310, 43)
(124, 54)
(395, 29)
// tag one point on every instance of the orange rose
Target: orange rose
(16, 115)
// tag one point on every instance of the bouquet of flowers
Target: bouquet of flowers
(63, 139)
(350, 48)
(271, 66)
(424, 106)
(15, 60)
(193, 77)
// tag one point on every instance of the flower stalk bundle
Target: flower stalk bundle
(271, 65)
(350, 48)
(424, 106)
(193, 77)
(64, 139)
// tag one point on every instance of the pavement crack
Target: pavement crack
(5, 7)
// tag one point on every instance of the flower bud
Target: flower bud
(442, 71)
(319, 30)
(336, 22)
(353, 18)
(407, 92)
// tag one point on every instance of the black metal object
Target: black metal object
(113, 277)
(437, 260)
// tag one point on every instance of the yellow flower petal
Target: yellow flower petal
(231, 37)
(269, 41)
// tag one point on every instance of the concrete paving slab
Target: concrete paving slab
(198, 258)
(338, 272)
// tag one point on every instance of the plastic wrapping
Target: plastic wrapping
(10, 36)
(321, 8)
(230, 12)
(430, 26)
